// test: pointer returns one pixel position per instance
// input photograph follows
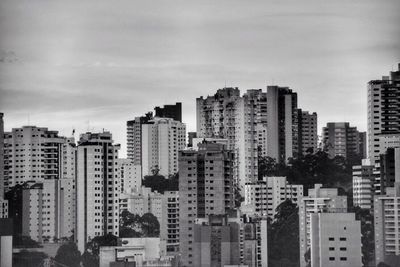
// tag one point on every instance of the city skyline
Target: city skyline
(98, 66)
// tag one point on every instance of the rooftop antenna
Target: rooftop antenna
(225, 84)
(88, 125)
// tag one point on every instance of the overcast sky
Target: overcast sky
(96, 64)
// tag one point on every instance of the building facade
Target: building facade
(32, 154)
(283, 124)
(389, 166)
(162, 139)
(143, 201)
(340, 139)
(365, 177)
(383, 114)
(97, 187)
(308, 132)
(205, 188)
(319, 200)
(169, 225)
(266, 195)
(131, 176)
(387, 226)
(48, 210)
(134, 138)
(335, 240)
(170, 111)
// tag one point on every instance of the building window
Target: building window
(343, 258)
(332, 258)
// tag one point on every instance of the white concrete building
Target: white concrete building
(97, 187)
(319, 200)
(387, 226)
(169, 224)
(48, 210)
(143, 201)
(335, 240)
(266, 195)
(32, 154)
(162, 138)
(131, 176)
(250, 116)
(364, 178)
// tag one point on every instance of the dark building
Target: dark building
(383, 112)
(339, 139)
(170, 111)
(308, 132)
(389, 162)
(283, 124)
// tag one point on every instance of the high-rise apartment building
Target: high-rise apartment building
(169, 224)
(389, 168)
(266, 195)
(308, 132)
(130, 175)
(216, 115)
(205, 188)
(383, 111)
(134, 138)
(48, 210)
(339, 139)
(217, 241)
(143, 201)
(364, 178)
(170, 111)
(1, 157)
(319, 200)
(97, 187)
(3, 202)
(335, 240)
(250, 120)
(32, 154)
(254, 244)
(283, 124)
(387, 226)
(162, 139)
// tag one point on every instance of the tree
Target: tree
(28, 258)
(150, 225)
(283, 241)
(367, 233)
(68, 254)
(90, 258)
(20, 241)
(14, 197)
(133, 225)
(160, 184)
